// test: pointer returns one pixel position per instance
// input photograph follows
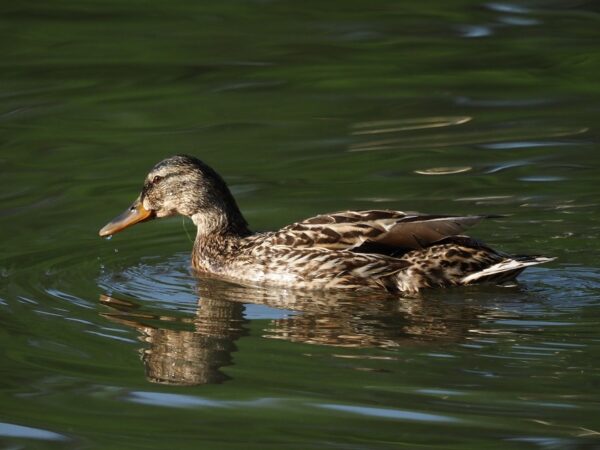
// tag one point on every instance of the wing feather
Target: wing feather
(349, 230)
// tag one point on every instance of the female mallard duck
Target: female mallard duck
(377, 249)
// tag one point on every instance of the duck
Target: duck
(387, 251)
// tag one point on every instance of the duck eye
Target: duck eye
(156, 179)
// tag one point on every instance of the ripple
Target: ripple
(502, 103)
(386, 413)
(546, 442)
(520, 21)
(193, 401)
(20, 431)
(441, 392)
(394, 126)
(542, 178)
(250, 86)
(489, 199)
(169, 282)
(507, 165)
(507, 8)
(475, 31)
(377, 199)
(527, 144)
(444, 170)
(465, 136)
(173, 400)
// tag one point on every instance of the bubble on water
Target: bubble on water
(109, 237)
(116, 250)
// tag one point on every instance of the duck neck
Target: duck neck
(215, 224)
(217, 240)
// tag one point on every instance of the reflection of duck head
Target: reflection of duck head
(188, 351)
(178, 355)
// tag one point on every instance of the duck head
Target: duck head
(183, 185)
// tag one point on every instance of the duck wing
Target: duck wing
(373, 231)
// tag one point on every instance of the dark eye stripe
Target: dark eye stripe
(157, 178)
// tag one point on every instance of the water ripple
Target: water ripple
(507, 8)
(475, 31)
(387, 413)
(20, 431)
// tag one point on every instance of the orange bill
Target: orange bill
(134, 214)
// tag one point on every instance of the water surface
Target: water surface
(304, 107)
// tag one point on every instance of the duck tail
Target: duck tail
(504, 270)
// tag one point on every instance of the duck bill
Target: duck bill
(134, 214)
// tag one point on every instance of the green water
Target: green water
(304, 107)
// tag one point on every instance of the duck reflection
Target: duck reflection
(192, 350)
(176, 354)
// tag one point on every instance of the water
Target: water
(304, 107)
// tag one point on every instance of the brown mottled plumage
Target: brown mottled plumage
(378, 249)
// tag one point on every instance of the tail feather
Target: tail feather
(460, 260)
(504, 270)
